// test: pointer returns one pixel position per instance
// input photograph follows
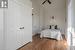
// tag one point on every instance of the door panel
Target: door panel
(1, 30)
(18, 16)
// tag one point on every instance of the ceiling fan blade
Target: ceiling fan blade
(44, 1)
(49, 2)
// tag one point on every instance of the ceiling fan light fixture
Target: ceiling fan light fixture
(47, 1)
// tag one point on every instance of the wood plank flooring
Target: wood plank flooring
(45, 44)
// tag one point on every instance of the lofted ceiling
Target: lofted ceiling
(58, 3)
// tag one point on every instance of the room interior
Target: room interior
(49, 19)
(51, 25)
(43, 13)
(38, 25)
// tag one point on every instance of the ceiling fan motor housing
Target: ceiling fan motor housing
(47, 1)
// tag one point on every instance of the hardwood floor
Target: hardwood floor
(45, 44)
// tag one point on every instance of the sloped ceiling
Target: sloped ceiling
(55, 3)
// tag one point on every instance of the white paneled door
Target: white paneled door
(1, 29)
(18, 19)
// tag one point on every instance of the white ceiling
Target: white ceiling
(58, 3)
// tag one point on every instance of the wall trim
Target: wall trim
(23, 45)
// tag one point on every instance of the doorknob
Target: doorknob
(21, 28)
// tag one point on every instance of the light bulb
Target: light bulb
(32, 8)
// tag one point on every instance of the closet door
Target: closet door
(18, 24)
(1, 29)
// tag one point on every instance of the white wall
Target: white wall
(18, 14)
(37, 17)
(73, 13)
(58, 10)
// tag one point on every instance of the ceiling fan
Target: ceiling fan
(47, 1)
